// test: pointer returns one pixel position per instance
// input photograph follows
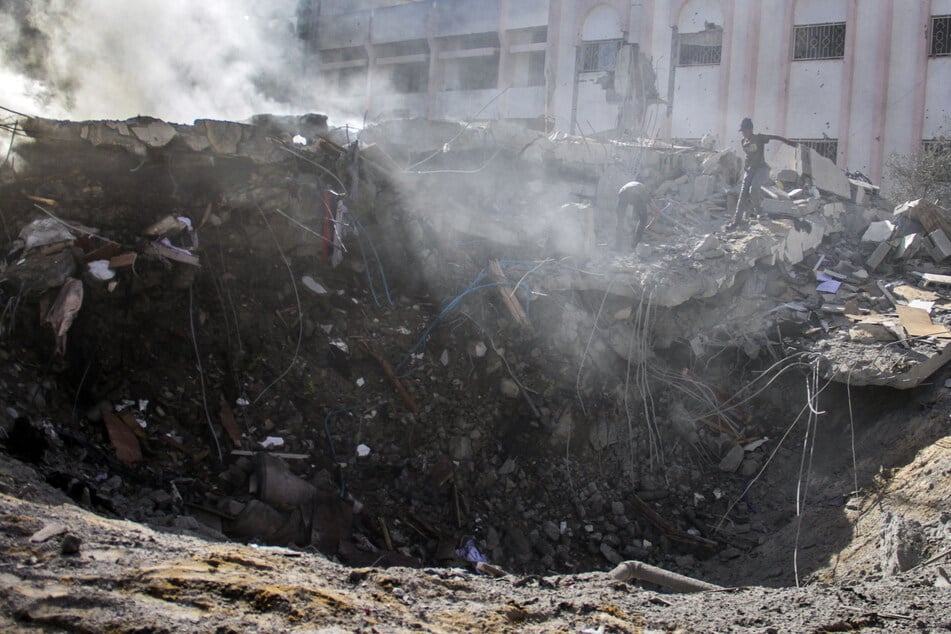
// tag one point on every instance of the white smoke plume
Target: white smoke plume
(173, 59)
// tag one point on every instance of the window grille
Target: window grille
(700, 49)
(940, 44)
(828, 148)
(938, 147)
(819, 41)
(599, 56)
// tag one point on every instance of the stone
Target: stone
(460, 448)
(777, 206)
(517, 545)
(617, 508)
(942, 246)
(878, 231)
(731, 461)
(908, 246)
(902, 543)
(879, 255)
(551, 530)
(826, 175)
(509, 388)
(610, 554)
(70, 545)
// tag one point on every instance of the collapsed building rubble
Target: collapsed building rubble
(175, 234)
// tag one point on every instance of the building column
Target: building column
(848, 77)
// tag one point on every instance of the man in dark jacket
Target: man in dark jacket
(637, 196)
(755, 170)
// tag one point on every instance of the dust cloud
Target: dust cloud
(174, 59)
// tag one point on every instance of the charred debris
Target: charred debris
(411, 344)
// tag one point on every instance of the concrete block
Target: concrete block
(878, 231)
(878, 255)
(801, 240)
(825, 174)
(908, 246)
(941, 244)
(777, 206)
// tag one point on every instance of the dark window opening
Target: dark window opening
(410, 78)
(473, 41)
(472, 73)
(401, 49)
(700, 49)
(819, 41)
(940, 44)
(599, 56)
(343, 54)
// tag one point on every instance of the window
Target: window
(410, 78)
(472, 73)
(700, 49)
(529, 68)
(938, 147)
(940, 44)
(828, 148)
(340, 55)
(599, 56)
(819, 41)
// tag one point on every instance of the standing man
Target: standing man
(636, 195)
(755, 170)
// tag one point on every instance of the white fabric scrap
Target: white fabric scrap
(100, 270)
(272, 441)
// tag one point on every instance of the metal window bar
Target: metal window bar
(828, 148)
(819, 41)
(938, 147)
(940, 44)
(700, 49)
(598, 56)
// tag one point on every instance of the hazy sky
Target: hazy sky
(174, 59)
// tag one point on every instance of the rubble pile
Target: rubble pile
(412, 347)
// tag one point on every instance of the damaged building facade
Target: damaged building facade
(855, 81)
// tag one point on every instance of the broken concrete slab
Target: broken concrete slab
(825, 174)
(878, 256)
(941, 245)
(878, 231)
(930, 215)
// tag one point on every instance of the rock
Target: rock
(617, 508)
(517, 545)
(460, 448)
(731, 461)
(509, 388)
(749, 466)
(902, 543)
(50, 530)
(70, 545)
(610, 554)
(551, 531)
(508, 467)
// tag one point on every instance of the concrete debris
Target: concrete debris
(538, 233)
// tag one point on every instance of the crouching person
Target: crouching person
(635, 205)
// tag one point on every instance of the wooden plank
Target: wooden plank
(511, 302)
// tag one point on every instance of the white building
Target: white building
(858, 80)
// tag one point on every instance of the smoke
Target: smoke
(174, 59)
